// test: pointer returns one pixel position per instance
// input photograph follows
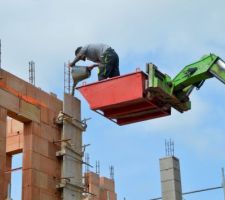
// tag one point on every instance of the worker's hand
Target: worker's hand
(69, 65)
(92, 66)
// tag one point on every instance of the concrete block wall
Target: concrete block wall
(41, 168)
(100, 188)
(92, 182)
(36, 110)
(14, 133)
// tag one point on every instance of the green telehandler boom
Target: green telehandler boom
(175, 92)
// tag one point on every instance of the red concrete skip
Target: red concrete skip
(122, 99)
(114, 91)
(128, 108)
(142, 117)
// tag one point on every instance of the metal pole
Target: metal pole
(1, 59)
(34, 73)
(202, 190)
(223, 182)
(0, 53)
(9, 192)
(195, 191)
(13, 170)
(64, 78)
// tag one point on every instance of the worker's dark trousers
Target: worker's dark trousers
(110, 65)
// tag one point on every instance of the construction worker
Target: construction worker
(104, 56)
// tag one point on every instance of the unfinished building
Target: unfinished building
(99, 188)
(48, 132)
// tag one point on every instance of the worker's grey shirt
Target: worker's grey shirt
(94, 52)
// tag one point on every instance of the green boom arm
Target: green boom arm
(196, 73)
(175, 92)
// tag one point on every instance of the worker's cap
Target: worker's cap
(77, 50)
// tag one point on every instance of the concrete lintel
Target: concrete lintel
(9, 101)
(18, 108)
(29, 111)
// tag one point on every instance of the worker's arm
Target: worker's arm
(74, 62)
(93, 66)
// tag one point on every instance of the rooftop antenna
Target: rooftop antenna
(87, 160)
(169, 147)
(97, 167)
(67, 79)
(32, 72)
(111, 170)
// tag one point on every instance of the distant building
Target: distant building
(99, 188)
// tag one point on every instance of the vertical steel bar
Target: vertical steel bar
(223, 182)
(0, 53)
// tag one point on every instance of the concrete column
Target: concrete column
(170, 178)
(71, 165)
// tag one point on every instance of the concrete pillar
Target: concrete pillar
(170, 178)
(71, 152)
